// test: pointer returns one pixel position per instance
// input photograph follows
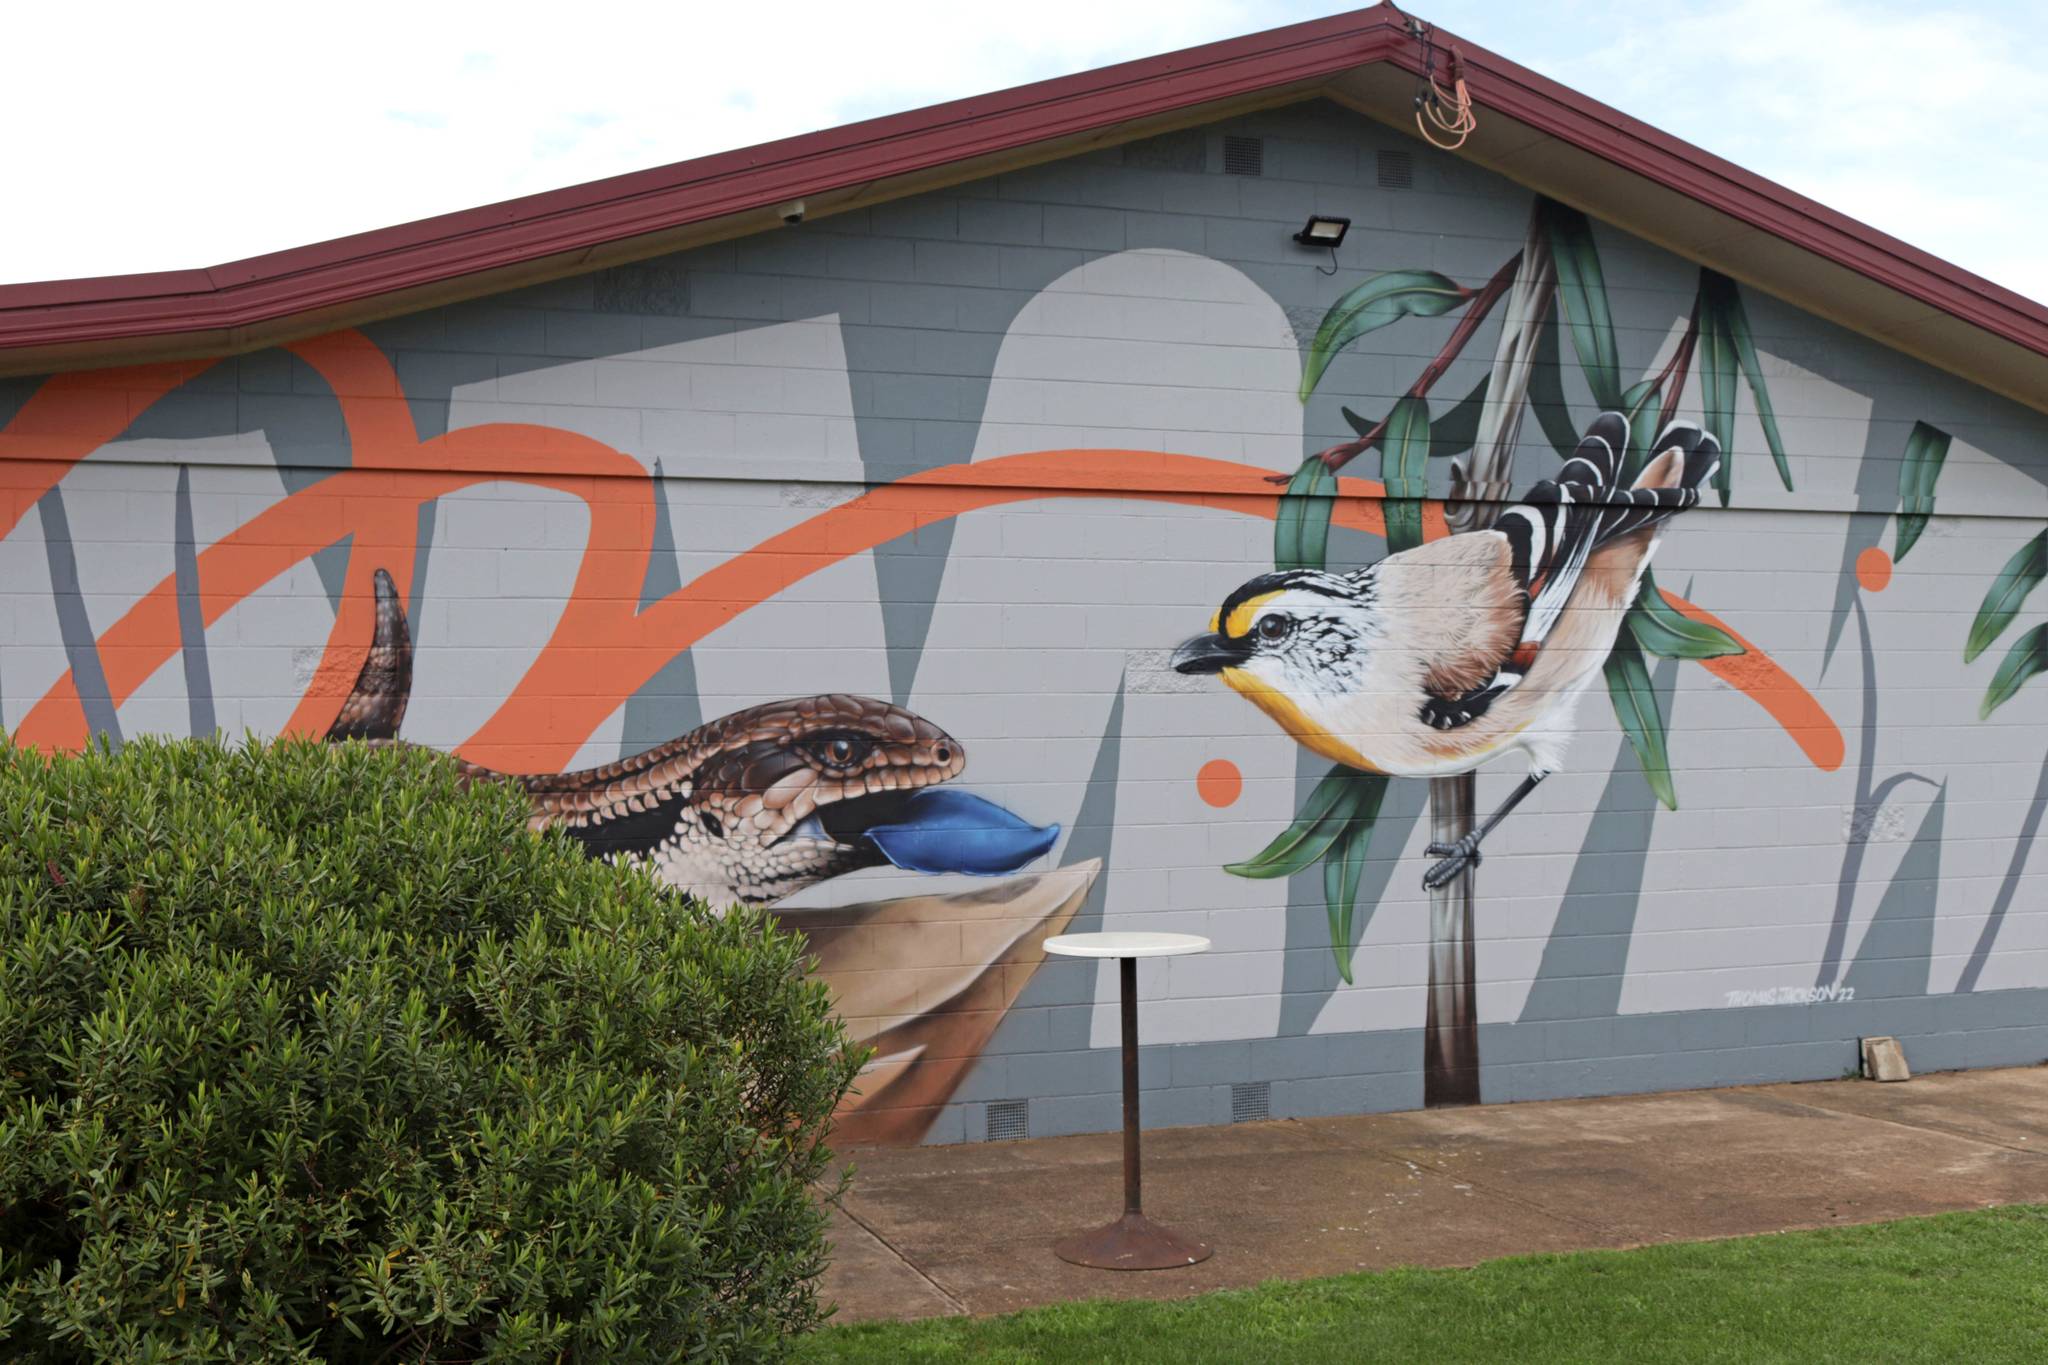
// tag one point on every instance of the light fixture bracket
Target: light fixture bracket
(1323, 230)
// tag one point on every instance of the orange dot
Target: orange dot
(1219, 782)
(1874, 569)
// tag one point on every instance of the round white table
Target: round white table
(1132, 1242)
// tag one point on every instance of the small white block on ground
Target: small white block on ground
(1884, 1060)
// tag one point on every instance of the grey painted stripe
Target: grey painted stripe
(2021, 846)
(1585, 959)
(191, 616)
(1877, 494)
(908, 571)
(1308, 969)
(423, 543)
(332, 566)
(668, 704)
(1069, 988)
(1896, 956)
(81, 646)
(1869, 800)
(1095, 822)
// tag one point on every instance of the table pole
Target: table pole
(1132, 1242)
(1129, 972)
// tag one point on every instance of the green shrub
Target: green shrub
(307, 1053)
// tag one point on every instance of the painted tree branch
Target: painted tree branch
(1450, 1033)
(1671, 379)
(1482, 479)
(1337, 456)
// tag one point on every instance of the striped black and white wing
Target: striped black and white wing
(1554, 530)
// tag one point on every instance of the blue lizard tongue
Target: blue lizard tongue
(944, 830)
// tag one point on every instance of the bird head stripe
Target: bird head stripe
(1241, 607)
(1242, 615)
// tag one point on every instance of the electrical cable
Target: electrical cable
(1446, 110)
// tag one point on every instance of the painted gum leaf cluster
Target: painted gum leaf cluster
(1336, 823)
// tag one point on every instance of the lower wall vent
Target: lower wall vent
(1009, 1120)
(1251, 1101)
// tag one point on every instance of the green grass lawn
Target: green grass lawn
(1959, 1287)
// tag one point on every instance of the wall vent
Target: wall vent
(1397, 170)
(648, 287)
(1251, 1101)
(1244, 156)
(1009, 1120)
(1184, 151)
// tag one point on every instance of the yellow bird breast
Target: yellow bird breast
(1296, 722)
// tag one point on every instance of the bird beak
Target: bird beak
(1210, 654)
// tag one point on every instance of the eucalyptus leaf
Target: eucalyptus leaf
(1323, 817)
(1345, 865)
(1736, 318)
(1341, 872)
(1372, 305)
(1718, 367)
(1301, 527)
(1546, 391)
(1926, 448)
(2020, 576)
(1455, 431)
(1643, 404)
(1668, 633)
(1582, 291)
(2028, 656)
(1451, 434)
(1404, 468)
(1642, 719)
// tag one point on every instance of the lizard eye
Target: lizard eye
(1275, 628)
(840, 753)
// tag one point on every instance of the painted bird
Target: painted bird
(1436, 659)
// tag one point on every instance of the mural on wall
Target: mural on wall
(723, 839)
(601, 562)
(1439, 658)
(1433, 661)
(756, 806)
(751, 807)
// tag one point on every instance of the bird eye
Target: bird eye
(840, 753)
(1275, 628)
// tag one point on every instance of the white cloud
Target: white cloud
(1927, 122)
(151, 136)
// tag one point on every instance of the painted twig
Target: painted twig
(1337, 456)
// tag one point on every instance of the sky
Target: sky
(154, 136)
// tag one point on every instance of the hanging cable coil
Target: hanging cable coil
(1443, 113)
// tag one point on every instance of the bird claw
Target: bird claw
(1457, 858)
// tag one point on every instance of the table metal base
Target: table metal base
(1132, 1242)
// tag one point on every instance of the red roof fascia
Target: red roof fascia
(368, 265)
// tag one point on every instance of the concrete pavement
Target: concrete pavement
(968, 1229)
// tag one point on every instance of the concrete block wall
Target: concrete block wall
(990, 454)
